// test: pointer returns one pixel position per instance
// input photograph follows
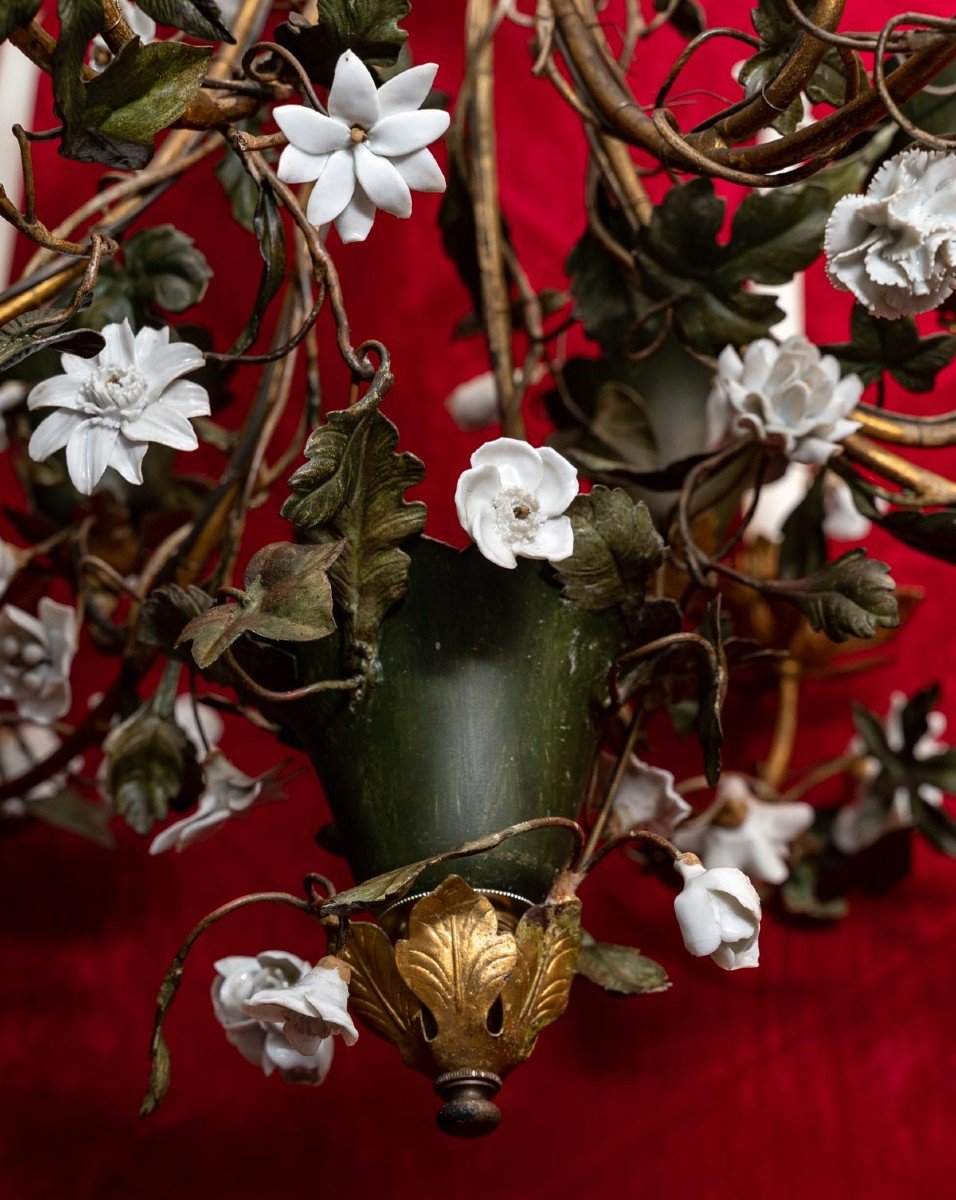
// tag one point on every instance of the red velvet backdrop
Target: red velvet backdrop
(830, 1069)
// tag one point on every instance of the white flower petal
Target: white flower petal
(489, 541)
(127, 459)
(53, 433)
(382, 183)
(474, 404)
(353, 97)
(168, 363)
(559, 482)
(518, 463)
(88, 454)
(79, 368)
(62, 391)
(120, 348)
(333, 189)
(420, 171)
(149, 340)
(354, 223)
(407, 132)
(295, 166)
(309, 131)
(554, 540)
(407, 90)
(476, 491)
(189, 399)
(162, 424)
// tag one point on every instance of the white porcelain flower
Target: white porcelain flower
(113, 405)
(201, 724)
(8, 564)
(853, 830)
(368, 152)
(227, 792)
(646, 798)
(511, 499)
(12, 395)
(742, 831)
(790, 398)
(314, 1008)
(719, 914)
(842, 520)
(36, 654)
(22, 746)
(474, 404)
(238, 978)
(894, 247)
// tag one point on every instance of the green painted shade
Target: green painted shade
(487, 711)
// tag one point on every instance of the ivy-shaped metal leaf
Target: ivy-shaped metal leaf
(851, 597)
(116, 116)
(150, 762)
(24, 336)
(67, 810)
(877, 345)
(616, 548)
(353, 489)
(268, 228)
(16, 13)
(201, 18)
(686, 16)
(369, 28)
(287, 598)
(162, 267)
(620, 969)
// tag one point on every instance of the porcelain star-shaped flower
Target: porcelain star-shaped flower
(368, 152)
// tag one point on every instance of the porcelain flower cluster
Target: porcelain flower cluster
(894, 247)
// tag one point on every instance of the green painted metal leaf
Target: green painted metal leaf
(620, 969)
(616, 548)
(288, 598)
(115, 117)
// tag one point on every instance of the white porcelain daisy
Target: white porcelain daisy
(370, 149)
(113, 405)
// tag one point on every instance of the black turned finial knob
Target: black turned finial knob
(468, 1111)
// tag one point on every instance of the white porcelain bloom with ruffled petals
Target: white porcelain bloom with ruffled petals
(369, 152)
(227, 793)
(790, 398)
(511, 500)
(112, 406)
(238, 978)
(853, 829)
(314, 1008)
(719, 914)
(36, 654)
(742, 831)
(646, 798)
(894, 247)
